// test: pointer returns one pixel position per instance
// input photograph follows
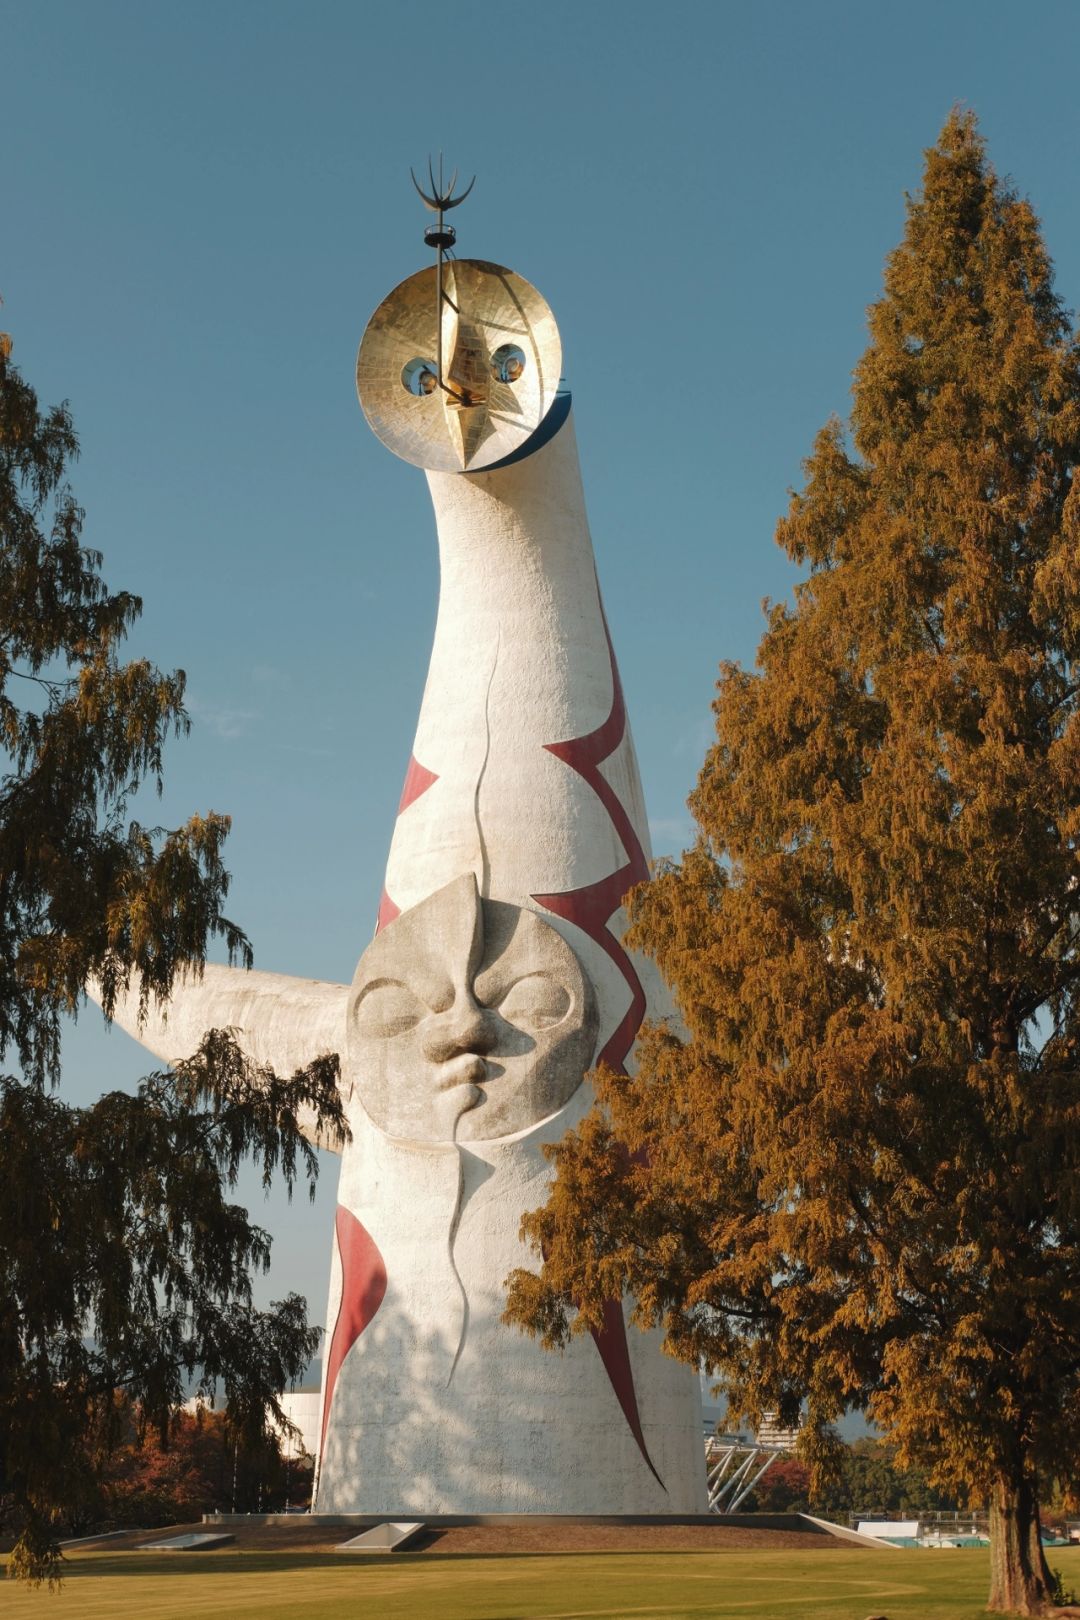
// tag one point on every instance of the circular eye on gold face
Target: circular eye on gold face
(418, 377)
(535, 1002)
(387, 1008)
(508, 363)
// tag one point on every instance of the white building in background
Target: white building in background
(301, 1407)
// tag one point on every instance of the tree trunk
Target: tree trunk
(1020, 1582)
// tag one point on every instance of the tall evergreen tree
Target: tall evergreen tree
(123, 1265)
(854, 1176)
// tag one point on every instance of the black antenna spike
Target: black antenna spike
(441, 237)
(441, 196)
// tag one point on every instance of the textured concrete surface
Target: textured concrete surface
(468, 1020)
(497, 979)
(524, 776)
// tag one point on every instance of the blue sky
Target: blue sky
(204, 202)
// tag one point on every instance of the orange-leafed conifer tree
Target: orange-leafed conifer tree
(853, 1175)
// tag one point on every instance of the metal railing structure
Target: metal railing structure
(940, 1528)
(735, 1464)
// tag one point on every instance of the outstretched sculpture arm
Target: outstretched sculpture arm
(278, 1021)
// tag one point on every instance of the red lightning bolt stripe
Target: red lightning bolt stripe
(591, 909)
(417, 781)
(363, 1285)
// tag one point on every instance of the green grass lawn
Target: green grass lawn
(840, 1584)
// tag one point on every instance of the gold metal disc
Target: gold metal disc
(501, 360)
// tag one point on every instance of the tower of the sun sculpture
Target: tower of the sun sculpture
(496, 977)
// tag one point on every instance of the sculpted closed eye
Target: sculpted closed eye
(535, 1002)
(386, 1009)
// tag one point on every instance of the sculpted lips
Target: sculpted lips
(467, 1070)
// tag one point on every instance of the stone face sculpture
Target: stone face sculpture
(496, 977)
(469, 1020)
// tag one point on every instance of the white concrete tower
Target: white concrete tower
(496, 978)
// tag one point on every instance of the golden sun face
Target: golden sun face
(500, 363)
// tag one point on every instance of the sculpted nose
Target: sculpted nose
(465, 1028)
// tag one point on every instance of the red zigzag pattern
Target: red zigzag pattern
(591, 909)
